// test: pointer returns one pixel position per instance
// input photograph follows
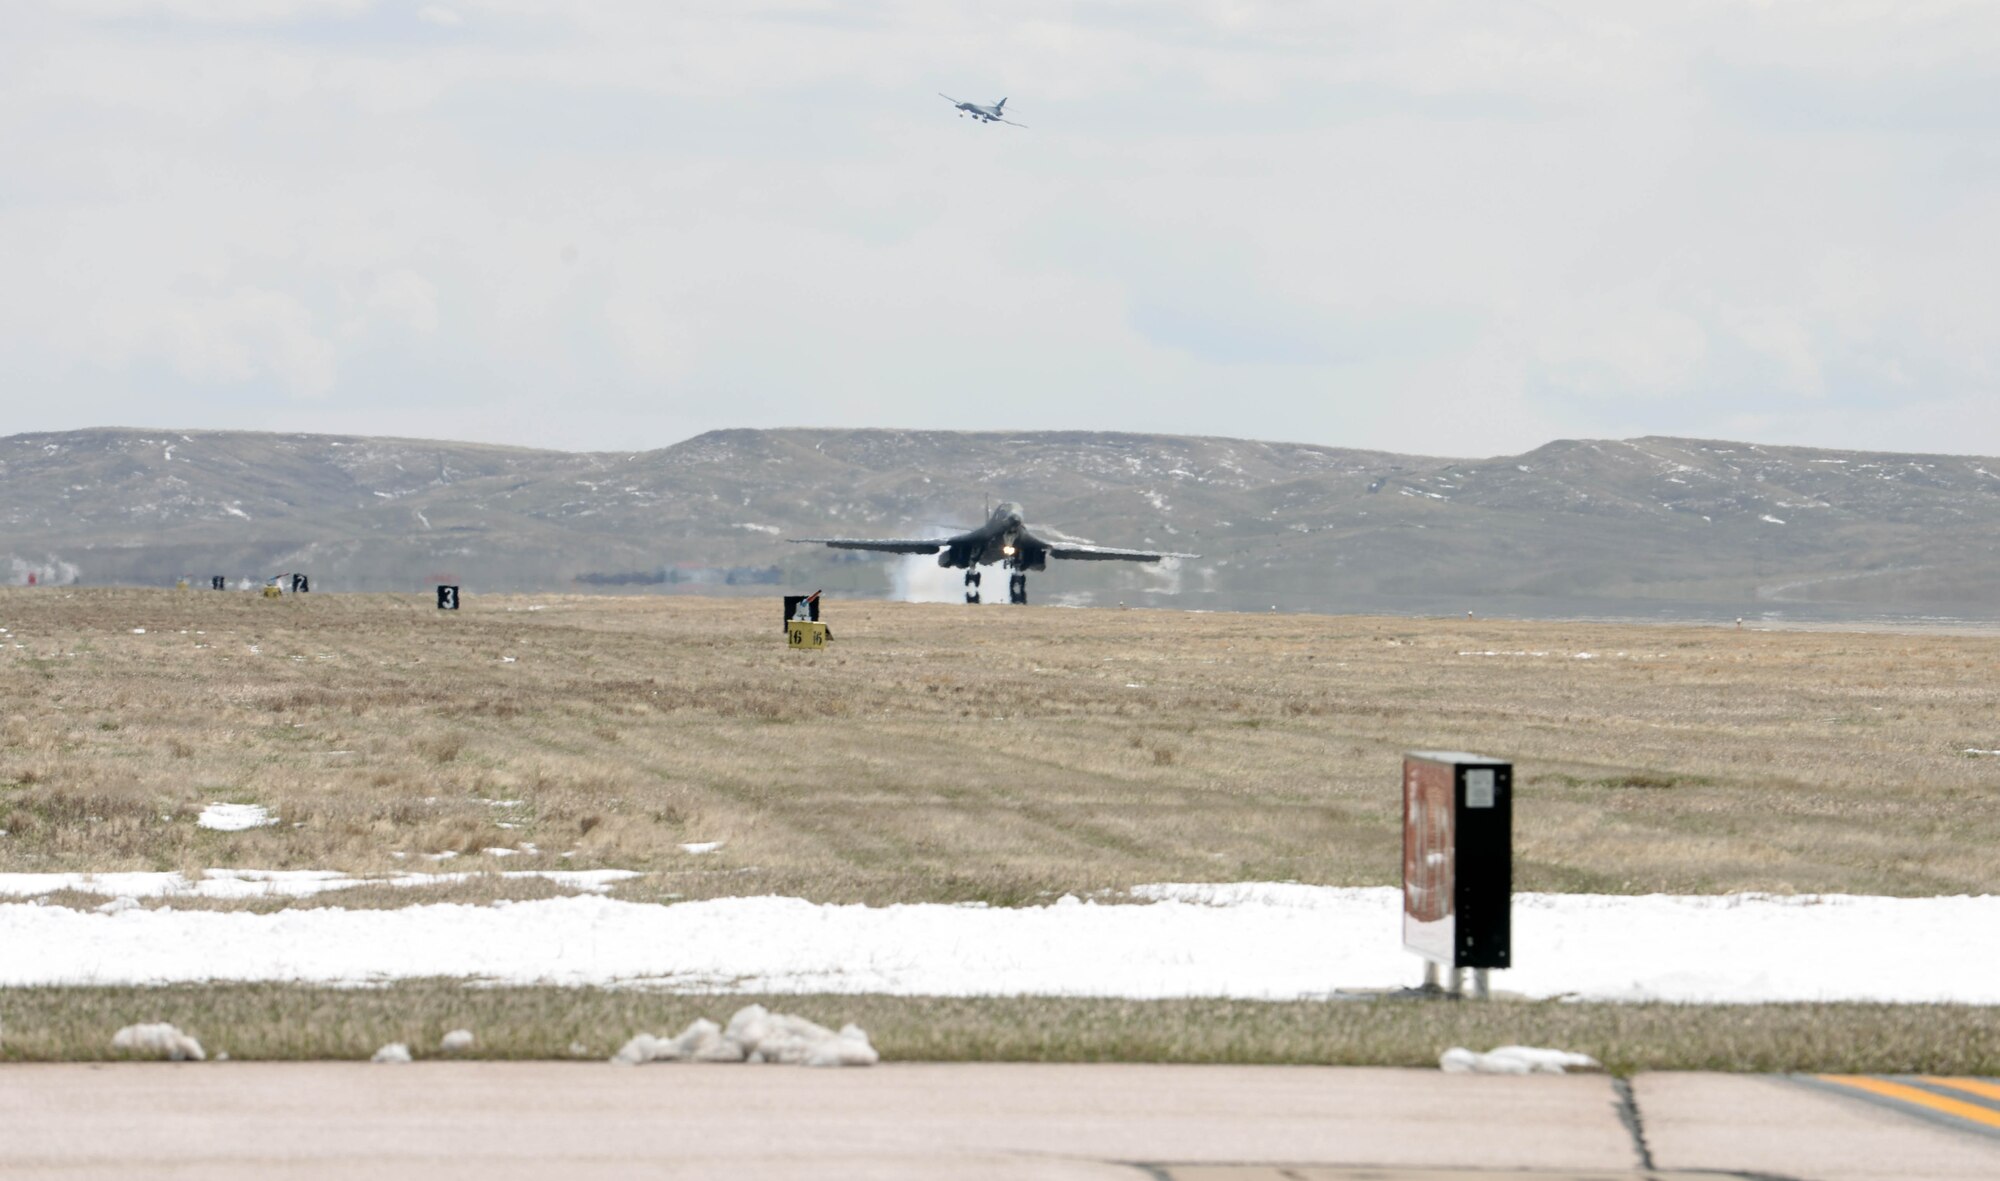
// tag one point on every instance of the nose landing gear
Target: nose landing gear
(1017, 589)
(972, 586)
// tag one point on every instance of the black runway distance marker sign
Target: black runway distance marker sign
(447, 598)
(1458, 858)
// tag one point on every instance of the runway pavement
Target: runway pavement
(499, 1120)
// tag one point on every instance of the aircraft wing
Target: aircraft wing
(1011, 123)
(1105, 553)
(887, 546)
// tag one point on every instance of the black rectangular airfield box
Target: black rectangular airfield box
(1458, 858)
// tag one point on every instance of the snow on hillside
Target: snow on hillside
(1573, 524)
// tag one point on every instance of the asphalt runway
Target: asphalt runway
(500, 1120)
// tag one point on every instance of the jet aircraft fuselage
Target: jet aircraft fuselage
(1004, 540)
(997, 113)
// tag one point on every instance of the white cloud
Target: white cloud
(402, 297)
(649, 334)
(244, 335)
(1781, 336)
(1642, 351)
(219, 11)
(1442, 227)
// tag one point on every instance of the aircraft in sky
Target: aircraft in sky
(1003, 539)
(993, 114)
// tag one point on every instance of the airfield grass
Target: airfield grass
(999, 754)
(284, 1021)
(1003, 755)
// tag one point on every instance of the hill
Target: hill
(1651, 526)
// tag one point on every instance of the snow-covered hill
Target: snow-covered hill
(1654, 525)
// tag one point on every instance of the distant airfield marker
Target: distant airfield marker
(301, 584)
(802, 607)
(1458, 870)
(447, 597)
(802, 626)
(800, 634)
(219, 582)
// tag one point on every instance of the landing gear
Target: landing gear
(1017, 586)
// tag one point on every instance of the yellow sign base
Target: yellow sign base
(800, 634)
(272, 592)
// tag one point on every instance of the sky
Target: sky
(1451, 228)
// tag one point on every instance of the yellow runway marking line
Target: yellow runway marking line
(1971, 1086)
(1917, 1097)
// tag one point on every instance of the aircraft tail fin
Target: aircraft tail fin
(1001, 105)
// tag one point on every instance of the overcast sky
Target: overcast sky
(1453, 228)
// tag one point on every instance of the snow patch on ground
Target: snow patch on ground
(235, 817)
(159, 1040)
(1514, 1060)
(755, 1035)
(1252, 940)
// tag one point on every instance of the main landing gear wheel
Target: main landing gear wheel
(972, 586)
(1017, 589)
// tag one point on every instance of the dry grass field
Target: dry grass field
(287, 1021)
(999, 754)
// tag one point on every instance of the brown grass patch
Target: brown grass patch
(1006, 755)
(280, 1021)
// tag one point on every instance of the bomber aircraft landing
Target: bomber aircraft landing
(993, 114)
(1004, 540)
